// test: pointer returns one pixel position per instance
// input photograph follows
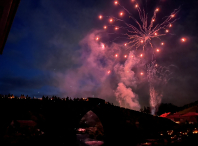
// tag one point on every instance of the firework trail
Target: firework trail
(143, 31)
(158, 77)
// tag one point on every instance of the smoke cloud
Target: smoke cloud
(100, 74)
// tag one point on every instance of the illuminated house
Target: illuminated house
(8, 10)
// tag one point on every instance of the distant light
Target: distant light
(109, 72)
(97, 38)
(125, 56)
(170, 25)
(156, 65)
(125, 44)
(103, 46)
(153, 20)
(157, 9)
(116, 28)
(132, 0)
(141, 55)
(116, 55)
(157, 50)
(167, 31)
(100, 17)
(142, 41)
(132, 56)
(142, 73)
(136, 5)
(156, 33)
(105, 27)
(162, 43)
(111, 20)
(116, 2)
(121, 13)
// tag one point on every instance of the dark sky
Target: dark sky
(45, 37)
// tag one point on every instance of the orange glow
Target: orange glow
(183, 39)
(153, 20)
(105, 27)
(125, 44)
(97, 38)
(116, 55)
(162, 43)
(109, 72)
(116, 28)
(157, 50)
(170, 25)
(172, 15)
(111, 20)
(116, 2)
(125, 56)
(136, 5)
(141, 55)
(141, 73)
(156, 65)
(121, 13)
(157, 9)
(156, 33)
(100, 17)
(142, 41)
(167, 31)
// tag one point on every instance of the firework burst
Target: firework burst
(144, 30)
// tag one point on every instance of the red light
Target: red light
(172, 15)
(116, 55)
(156, 33)
(142, 73)
(116, 28)
(142, 41)
(111, 20)
(162, 43)
(157, 50)
(136, 5)
(125, 44)
(97, 38)
(183, 39)
(121, 13)
(109, 72)
(100, 17)
(157, 9)
(153, 20)
(125, 56)
(167, 31)
(116, 2)
(105, 27)
(141, 55)
(170, 25)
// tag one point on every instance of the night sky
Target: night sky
(45, 43)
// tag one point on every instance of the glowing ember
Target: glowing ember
(100, 17)
(183, 39)
(172, 15)
(157, 9)
(156, 33)
(153, 20)
(167, 31)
